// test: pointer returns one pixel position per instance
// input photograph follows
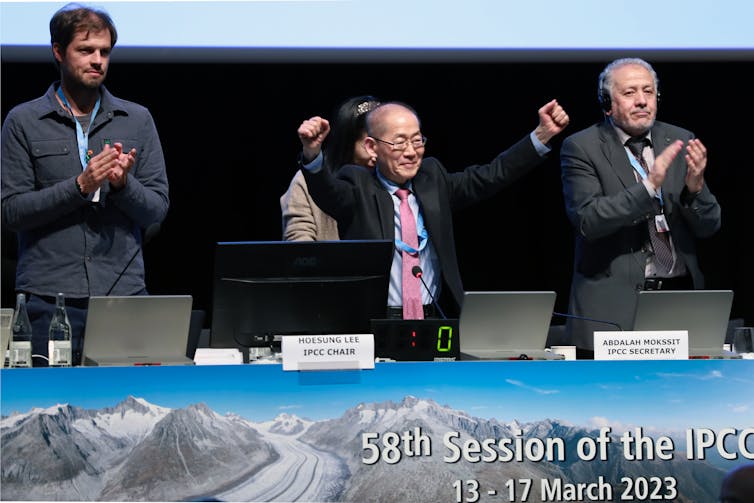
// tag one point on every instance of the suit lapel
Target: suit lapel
(660, 139)
(383, 203)
(616, 155)
(426, 193)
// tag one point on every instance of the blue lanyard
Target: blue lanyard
(421, 231)
(640, 169)
(82, 138)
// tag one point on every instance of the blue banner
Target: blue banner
(405, 431)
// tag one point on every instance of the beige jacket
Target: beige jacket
(302, 218)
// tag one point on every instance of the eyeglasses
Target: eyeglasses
(402, 145)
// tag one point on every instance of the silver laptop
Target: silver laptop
(506, 325)
(137, 330)
(703, 313)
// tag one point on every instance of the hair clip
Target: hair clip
(365, 107)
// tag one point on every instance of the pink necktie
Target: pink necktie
(412, 295)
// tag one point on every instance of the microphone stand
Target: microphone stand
(151, 231)
(417, 272)
(573, 316)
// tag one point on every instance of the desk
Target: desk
(405, 431)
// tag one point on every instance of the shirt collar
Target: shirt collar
(391, 186)
(623, 136)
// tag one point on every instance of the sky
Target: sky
(664, 395)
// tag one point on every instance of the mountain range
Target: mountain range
(138, 451)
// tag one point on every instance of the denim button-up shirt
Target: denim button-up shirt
(67, 243)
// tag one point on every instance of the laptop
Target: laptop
(506, 325)
(137, 330)
(703, 313)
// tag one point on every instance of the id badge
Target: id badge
(661, 224)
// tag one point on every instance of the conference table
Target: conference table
(455, 431)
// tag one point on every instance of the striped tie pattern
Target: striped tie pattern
(660, 240)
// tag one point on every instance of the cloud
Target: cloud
(618, 427)
(713, 374)
(290, 407)
(740, 408)
(610, 387)
(531, 388)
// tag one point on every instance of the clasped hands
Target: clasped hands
(111, 164)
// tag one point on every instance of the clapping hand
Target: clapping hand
(696, 160)
(119, 173)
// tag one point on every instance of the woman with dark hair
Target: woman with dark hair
(303, 220)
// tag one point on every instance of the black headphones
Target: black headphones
(603, 94)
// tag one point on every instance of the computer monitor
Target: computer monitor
(264, 289)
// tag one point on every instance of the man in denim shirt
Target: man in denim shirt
(83, 174)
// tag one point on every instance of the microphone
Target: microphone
(588, 319)
(417, 272)
(149, 233)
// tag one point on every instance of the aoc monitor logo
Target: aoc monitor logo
(304, 263)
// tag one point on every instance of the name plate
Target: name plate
(328, 352)
(642, 345)
(218, 356)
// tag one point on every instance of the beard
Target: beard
(91, 82)
(633, 127)
(83, 80)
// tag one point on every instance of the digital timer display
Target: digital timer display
(416, 340)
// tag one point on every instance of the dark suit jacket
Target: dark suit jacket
(364, 209)
(609, 211)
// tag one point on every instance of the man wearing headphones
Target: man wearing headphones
(635, 194)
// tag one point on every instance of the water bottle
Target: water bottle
(59, 334)
(20, 344)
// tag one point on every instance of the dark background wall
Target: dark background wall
(229, 135)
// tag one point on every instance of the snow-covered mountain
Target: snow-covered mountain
(137, 451)
(385, 482)
(133, 451)
(285, 424)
